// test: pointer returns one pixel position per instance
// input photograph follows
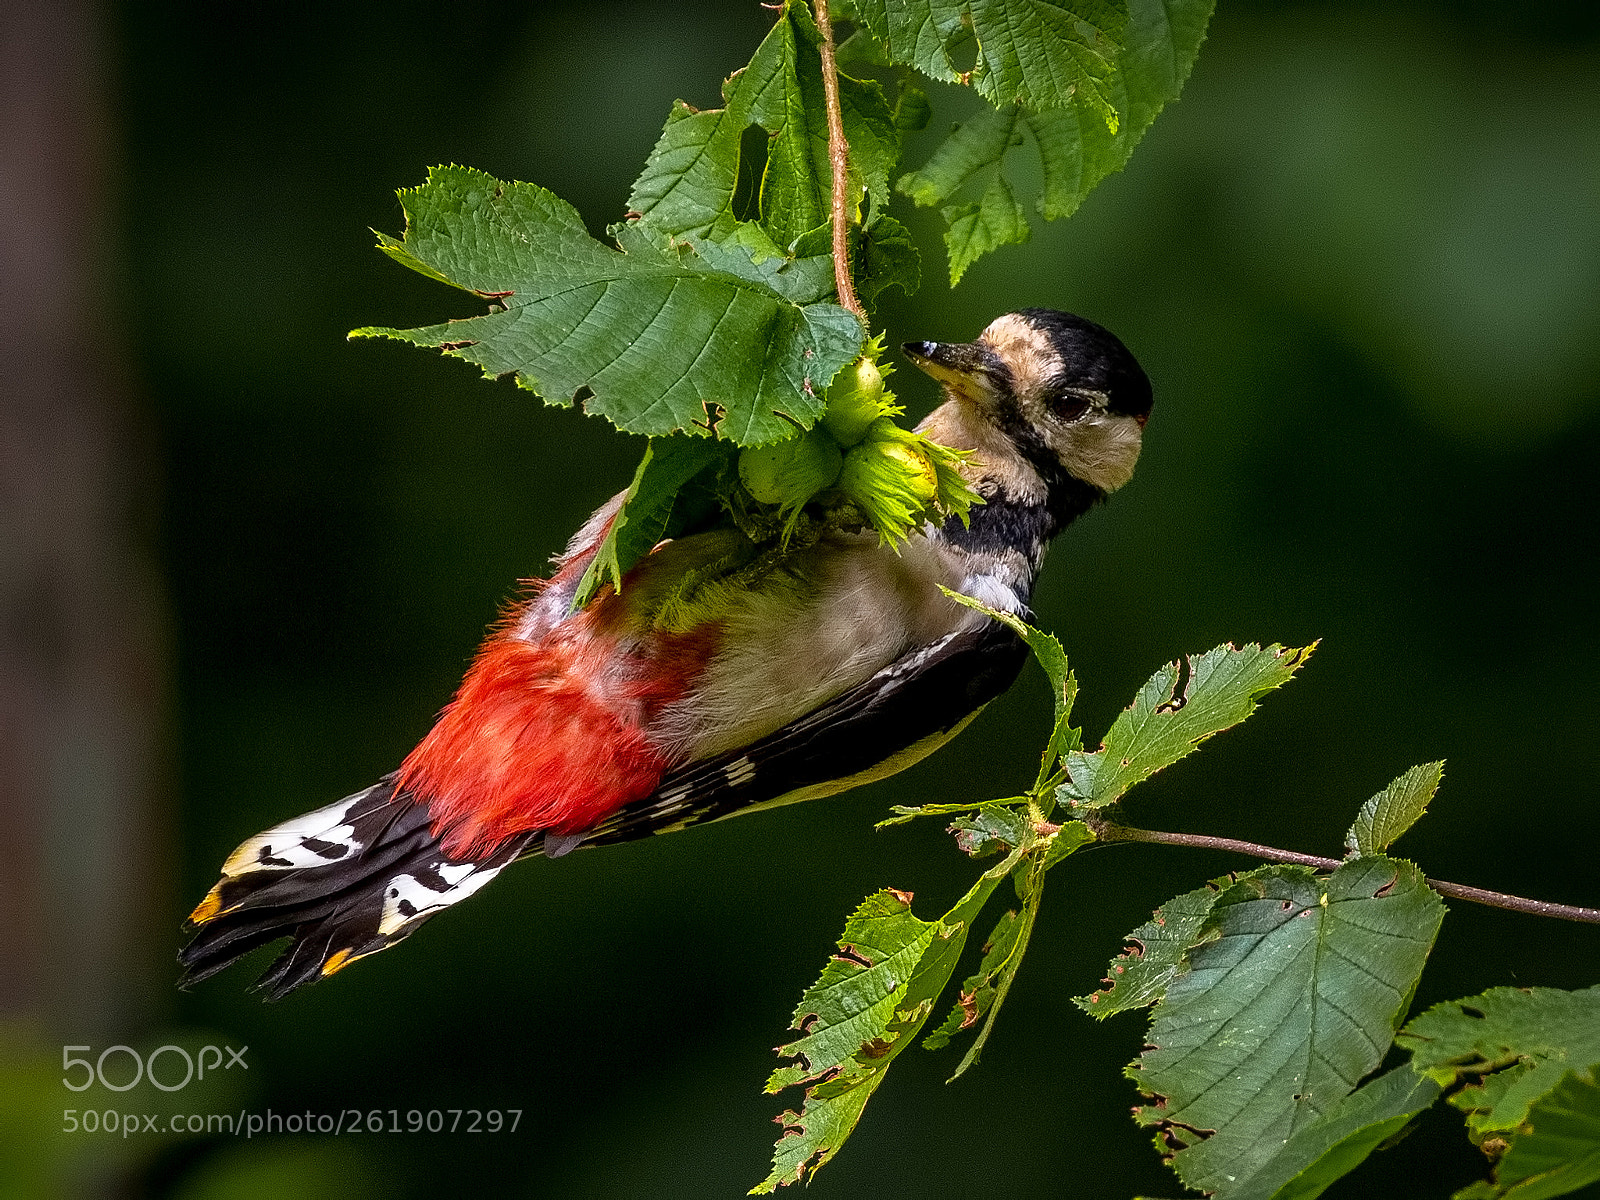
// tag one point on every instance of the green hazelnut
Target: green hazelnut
(790, 472)
(855, 400)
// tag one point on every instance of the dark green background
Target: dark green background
(1360, 261)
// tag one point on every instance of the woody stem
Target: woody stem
(839, 160)
(1106, 831)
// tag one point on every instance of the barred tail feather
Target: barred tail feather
(343, 882)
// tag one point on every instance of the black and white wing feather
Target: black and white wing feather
(883, 725)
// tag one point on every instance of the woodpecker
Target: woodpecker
(687, 696)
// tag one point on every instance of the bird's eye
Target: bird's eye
(1070, 405)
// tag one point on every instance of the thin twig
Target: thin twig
(1106, 831)
(839, 159)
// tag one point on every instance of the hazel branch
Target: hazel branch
(839, 160)
(1107, 831)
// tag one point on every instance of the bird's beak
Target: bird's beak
(963, 367)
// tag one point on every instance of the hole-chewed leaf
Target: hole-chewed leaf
(872, 999)
(1283, 1010)
(1168, 720)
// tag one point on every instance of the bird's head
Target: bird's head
(1063, 394)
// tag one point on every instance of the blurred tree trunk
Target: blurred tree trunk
(81, 654)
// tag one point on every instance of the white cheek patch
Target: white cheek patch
(314, 839)
(1102, 449)
(408, 898)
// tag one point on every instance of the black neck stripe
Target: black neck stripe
(1006, 523)
(1066, 496)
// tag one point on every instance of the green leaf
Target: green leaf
(751, 255)
(1050, 656)
(1158, 953)
(1518, 1042)
(1321, 1153)
(992, 827)
(984, 993)
(1071, 837)
(666, 468)
(912, 108)
(689, 180)
(1044, 53)
(886, 259)
(978, 992)
(972, 230)
(1394, 810)
(906, 813)
(1046, 649)
(1168, 721)
(871, 1001)
(859, 49)
(1291, 999)
(688, 184)
(1075, 146)
(657, 338)
(974, 147)
(1557, 1150)
(1160, 44)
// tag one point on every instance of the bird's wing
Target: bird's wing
(883, 725)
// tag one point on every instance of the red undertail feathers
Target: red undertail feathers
(550, 735)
